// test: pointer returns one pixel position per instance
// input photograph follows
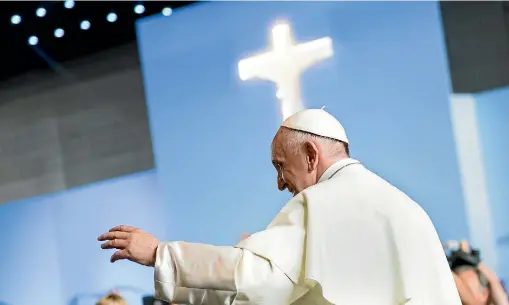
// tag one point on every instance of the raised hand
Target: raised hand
(131, 243)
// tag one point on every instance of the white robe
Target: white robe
(351, 239)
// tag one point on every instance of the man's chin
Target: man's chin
(293, 192)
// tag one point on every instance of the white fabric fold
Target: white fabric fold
(187, 273)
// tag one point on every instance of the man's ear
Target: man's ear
(311, 151)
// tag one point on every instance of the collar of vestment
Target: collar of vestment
(336, 167)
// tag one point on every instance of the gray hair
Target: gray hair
(294, 140)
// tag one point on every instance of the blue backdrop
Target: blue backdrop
(49, 251)
(388, 84)
(492, 110)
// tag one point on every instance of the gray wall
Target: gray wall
(87, 122)
(477, 40)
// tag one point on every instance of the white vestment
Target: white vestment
(351, 239)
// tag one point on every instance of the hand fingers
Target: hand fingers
(123, 228)
(451, 244)
(113, 235)
(464, 246)
(118, 255)
(115, 244)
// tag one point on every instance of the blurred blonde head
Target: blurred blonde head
(112, 299)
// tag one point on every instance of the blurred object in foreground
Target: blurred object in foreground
(149, 300)
(112, 299)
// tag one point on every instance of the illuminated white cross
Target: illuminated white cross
(284, 63)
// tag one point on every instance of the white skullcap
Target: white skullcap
(318, 122)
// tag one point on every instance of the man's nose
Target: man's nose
(281, 184)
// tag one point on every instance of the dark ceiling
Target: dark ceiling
(19, 57)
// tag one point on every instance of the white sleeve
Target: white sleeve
(189, 273)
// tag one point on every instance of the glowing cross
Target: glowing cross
(284, 63)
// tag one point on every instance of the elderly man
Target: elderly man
(346, 237)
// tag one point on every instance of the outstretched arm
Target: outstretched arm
(261, 269)
(189, 273)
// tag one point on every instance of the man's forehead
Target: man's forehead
(278, 138)
(276, 153)
(276, 148)
(278, 157)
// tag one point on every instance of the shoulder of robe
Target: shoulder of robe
(329, 190)
(292, 213)
(358, 187)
